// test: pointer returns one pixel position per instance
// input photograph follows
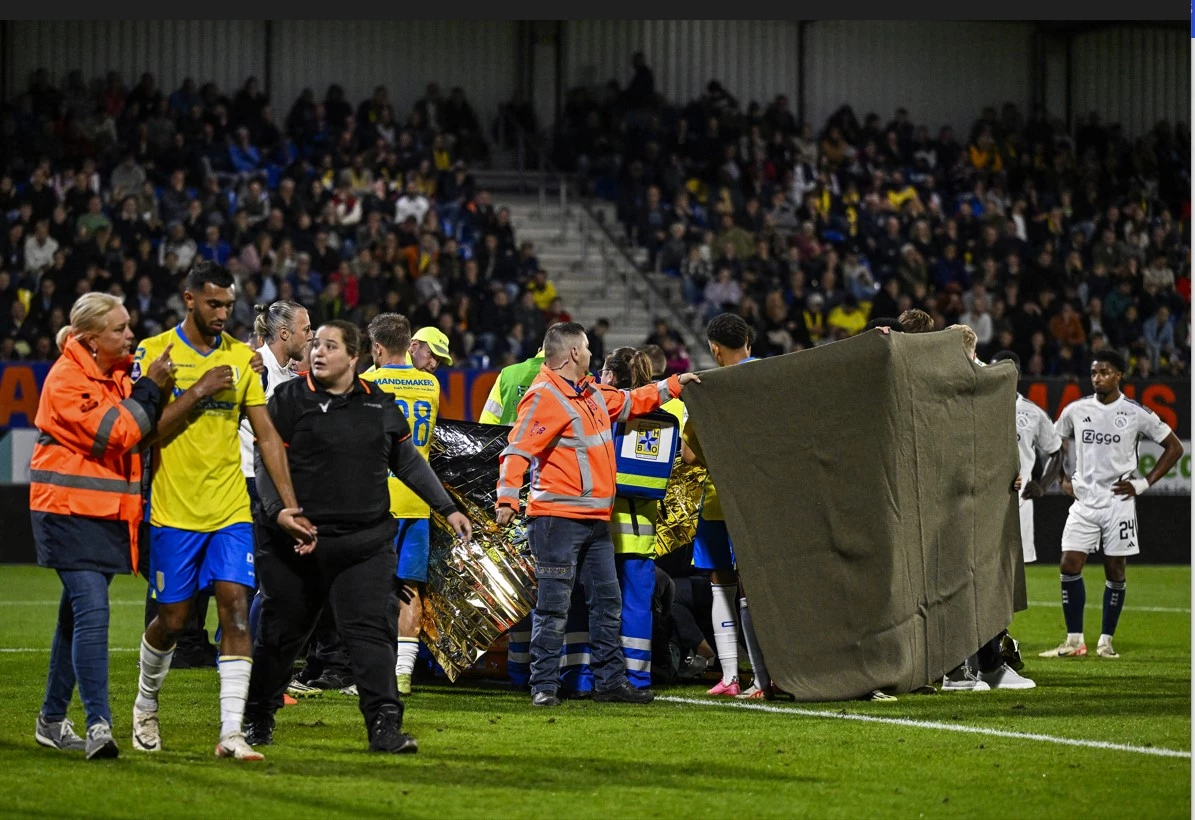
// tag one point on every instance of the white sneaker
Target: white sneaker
(964, 679)
(1006, 678)
(1066, 649)
(1105, 650)
(100, 744)
(235, 746)
(147, 736)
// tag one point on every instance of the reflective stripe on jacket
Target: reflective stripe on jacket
(633, 526)
(86, 460)
(565, 437)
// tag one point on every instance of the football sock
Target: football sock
(408, 648)
(760, 669)
(1113, 604)
(726, 638)
(154, 666)
(1074, 598)
(234, 690)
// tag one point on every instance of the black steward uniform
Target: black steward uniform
(340, 448)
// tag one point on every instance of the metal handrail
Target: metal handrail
(679, 322)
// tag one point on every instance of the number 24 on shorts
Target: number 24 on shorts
(421, 424)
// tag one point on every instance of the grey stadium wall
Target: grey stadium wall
(942, 71)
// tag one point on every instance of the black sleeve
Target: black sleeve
(281, 408)
(147, 394)
(283, 413)
(411, 469)
(267, 493)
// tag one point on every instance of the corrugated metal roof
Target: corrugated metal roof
(224, 51)
(944, 73)
(753, 59)
(1134, 76)
(404, 56)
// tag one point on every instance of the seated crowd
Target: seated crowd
(347, 210)
(1049, 244)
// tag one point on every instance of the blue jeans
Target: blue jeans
(566, 550)
(80, 650)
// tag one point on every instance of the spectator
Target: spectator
(40, 248)
(1156, 279)
(533, 319)
(94, 220)
(1159, 336)
(411, 204)
(542, 290)
(127, 178)
(178, 245)
(847, 318)
(1067, 327)
(214, 249)
(980, 321)
(722, 294)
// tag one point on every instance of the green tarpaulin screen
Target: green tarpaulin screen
(867, 489)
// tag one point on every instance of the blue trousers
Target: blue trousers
(568, 550)
(79, 654)
(575, 672)
(637, 579)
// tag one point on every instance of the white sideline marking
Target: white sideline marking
(1100, 605)
(47, 649)
(933, 724)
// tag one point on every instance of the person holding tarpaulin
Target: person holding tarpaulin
(344, 435)
(563, 432)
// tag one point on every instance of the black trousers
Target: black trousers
(326, 654)
(356, 578)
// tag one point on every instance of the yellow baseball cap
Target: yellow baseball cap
(435, 339)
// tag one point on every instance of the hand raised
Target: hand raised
(161, 369)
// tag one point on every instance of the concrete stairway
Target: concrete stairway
(592, 273)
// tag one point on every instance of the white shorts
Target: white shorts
(1114, 527)
(1027, 544)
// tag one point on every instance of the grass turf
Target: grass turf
(484, 751)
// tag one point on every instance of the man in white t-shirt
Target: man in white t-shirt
(284, 331)
(1106, 428)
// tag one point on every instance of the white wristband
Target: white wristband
(1140, 485)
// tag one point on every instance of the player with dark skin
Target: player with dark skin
(207, 314)
(1106, 380)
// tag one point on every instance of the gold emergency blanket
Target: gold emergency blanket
(475, 591)
(676, 524)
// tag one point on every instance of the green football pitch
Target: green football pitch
(1097, 738)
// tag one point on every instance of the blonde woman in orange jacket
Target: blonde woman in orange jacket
(85, 501)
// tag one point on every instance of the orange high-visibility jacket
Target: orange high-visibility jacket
(85, 461)
(566, 438)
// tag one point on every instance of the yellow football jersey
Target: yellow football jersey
(197, 480)
(417, 395)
